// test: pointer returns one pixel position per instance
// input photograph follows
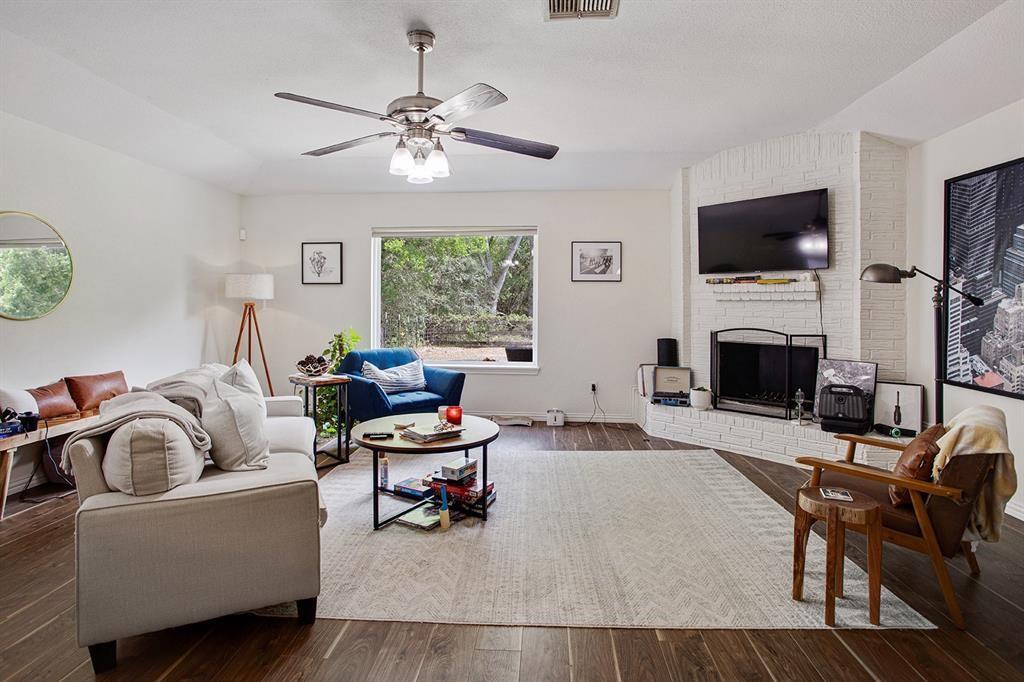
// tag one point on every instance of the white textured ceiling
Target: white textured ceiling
(188, 84)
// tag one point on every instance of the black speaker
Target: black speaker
(668, 353)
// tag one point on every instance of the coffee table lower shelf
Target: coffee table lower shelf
(478, 509)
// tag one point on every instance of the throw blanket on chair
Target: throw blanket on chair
(981, 430)
(128, 407)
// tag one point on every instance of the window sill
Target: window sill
(489, 367)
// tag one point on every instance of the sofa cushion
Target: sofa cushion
(148, 456)
(236, 424)
(282, 468)
(241, 376)
(53, 400)
(17, 399)
(89, 390)
(408, 377)
(896, 518)
(916, 462)
(415, 401)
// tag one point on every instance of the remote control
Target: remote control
(381, 435)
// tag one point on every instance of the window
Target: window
(458, 296)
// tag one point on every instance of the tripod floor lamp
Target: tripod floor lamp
(890, 274)
(250, 288)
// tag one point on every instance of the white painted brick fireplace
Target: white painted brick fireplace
(866, 181)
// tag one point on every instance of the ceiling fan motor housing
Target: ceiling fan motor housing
(411, 108)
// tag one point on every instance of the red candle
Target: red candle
(454, 415)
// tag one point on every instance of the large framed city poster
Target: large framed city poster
(984, 256)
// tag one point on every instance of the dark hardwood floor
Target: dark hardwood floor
(37, 618)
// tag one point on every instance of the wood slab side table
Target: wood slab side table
(863, 512)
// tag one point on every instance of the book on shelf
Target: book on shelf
(413, 488)
(470, 493)
(428, 517)
(458, 469)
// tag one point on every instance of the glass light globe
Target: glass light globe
(437, 162)
(419, 175)
(401, 161)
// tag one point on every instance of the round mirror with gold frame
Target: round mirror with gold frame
(35, 266)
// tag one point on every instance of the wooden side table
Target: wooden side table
(340, 382)
(47, 429)
(862, 512)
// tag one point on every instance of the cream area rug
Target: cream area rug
(653, 539)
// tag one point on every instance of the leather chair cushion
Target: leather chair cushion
(916, 462)
(88, 391)
(53, 400)
(896, 518)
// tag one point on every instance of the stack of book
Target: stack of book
(429, 434)
(463, 489)
(459, 477)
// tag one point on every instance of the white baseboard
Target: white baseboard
(569, 416)
(1015, 507)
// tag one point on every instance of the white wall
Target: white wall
(588, 332)
(991, 139)
(148, 247)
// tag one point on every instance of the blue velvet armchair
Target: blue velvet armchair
(367, 400)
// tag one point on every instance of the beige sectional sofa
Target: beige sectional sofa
(229, 542)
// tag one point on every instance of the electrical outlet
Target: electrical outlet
(593, 388)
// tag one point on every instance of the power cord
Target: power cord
(821, 314)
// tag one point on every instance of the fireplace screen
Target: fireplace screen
(759, 371)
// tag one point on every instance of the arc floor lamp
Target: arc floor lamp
(890, 274)
(250, 287)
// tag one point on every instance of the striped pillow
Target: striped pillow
(397, 379)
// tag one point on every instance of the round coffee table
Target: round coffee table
(478, 433)
(863, 513)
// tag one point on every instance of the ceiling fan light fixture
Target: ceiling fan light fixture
(402, 161)
(419, 175)
(437, 162)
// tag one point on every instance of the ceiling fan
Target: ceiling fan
(419, 122)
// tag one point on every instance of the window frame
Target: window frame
(377, 234)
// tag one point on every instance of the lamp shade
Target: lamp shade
(882, 273)
(250, 286)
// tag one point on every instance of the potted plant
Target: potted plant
(700, 398)
(327, 403)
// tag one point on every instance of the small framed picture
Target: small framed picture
(321, 262)
(900, 406)
(597, 261)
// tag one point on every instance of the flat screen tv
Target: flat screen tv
(784, 232)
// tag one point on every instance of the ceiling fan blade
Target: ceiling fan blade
(349, 144)
(505, 143)
(474, 99)
(339, 107)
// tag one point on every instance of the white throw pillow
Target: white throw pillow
(241, 376)
(18, 400)
(408, 377)
(236, 424)
(149, 456)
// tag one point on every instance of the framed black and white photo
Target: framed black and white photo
(984, 256)
(845, 373)
(899, 406)
(597, 261)
(321, 262)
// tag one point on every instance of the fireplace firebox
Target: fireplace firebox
(758, 371)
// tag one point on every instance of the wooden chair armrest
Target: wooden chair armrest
(873, 442)
(882, 476)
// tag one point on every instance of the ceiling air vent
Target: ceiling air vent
(581, 9)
